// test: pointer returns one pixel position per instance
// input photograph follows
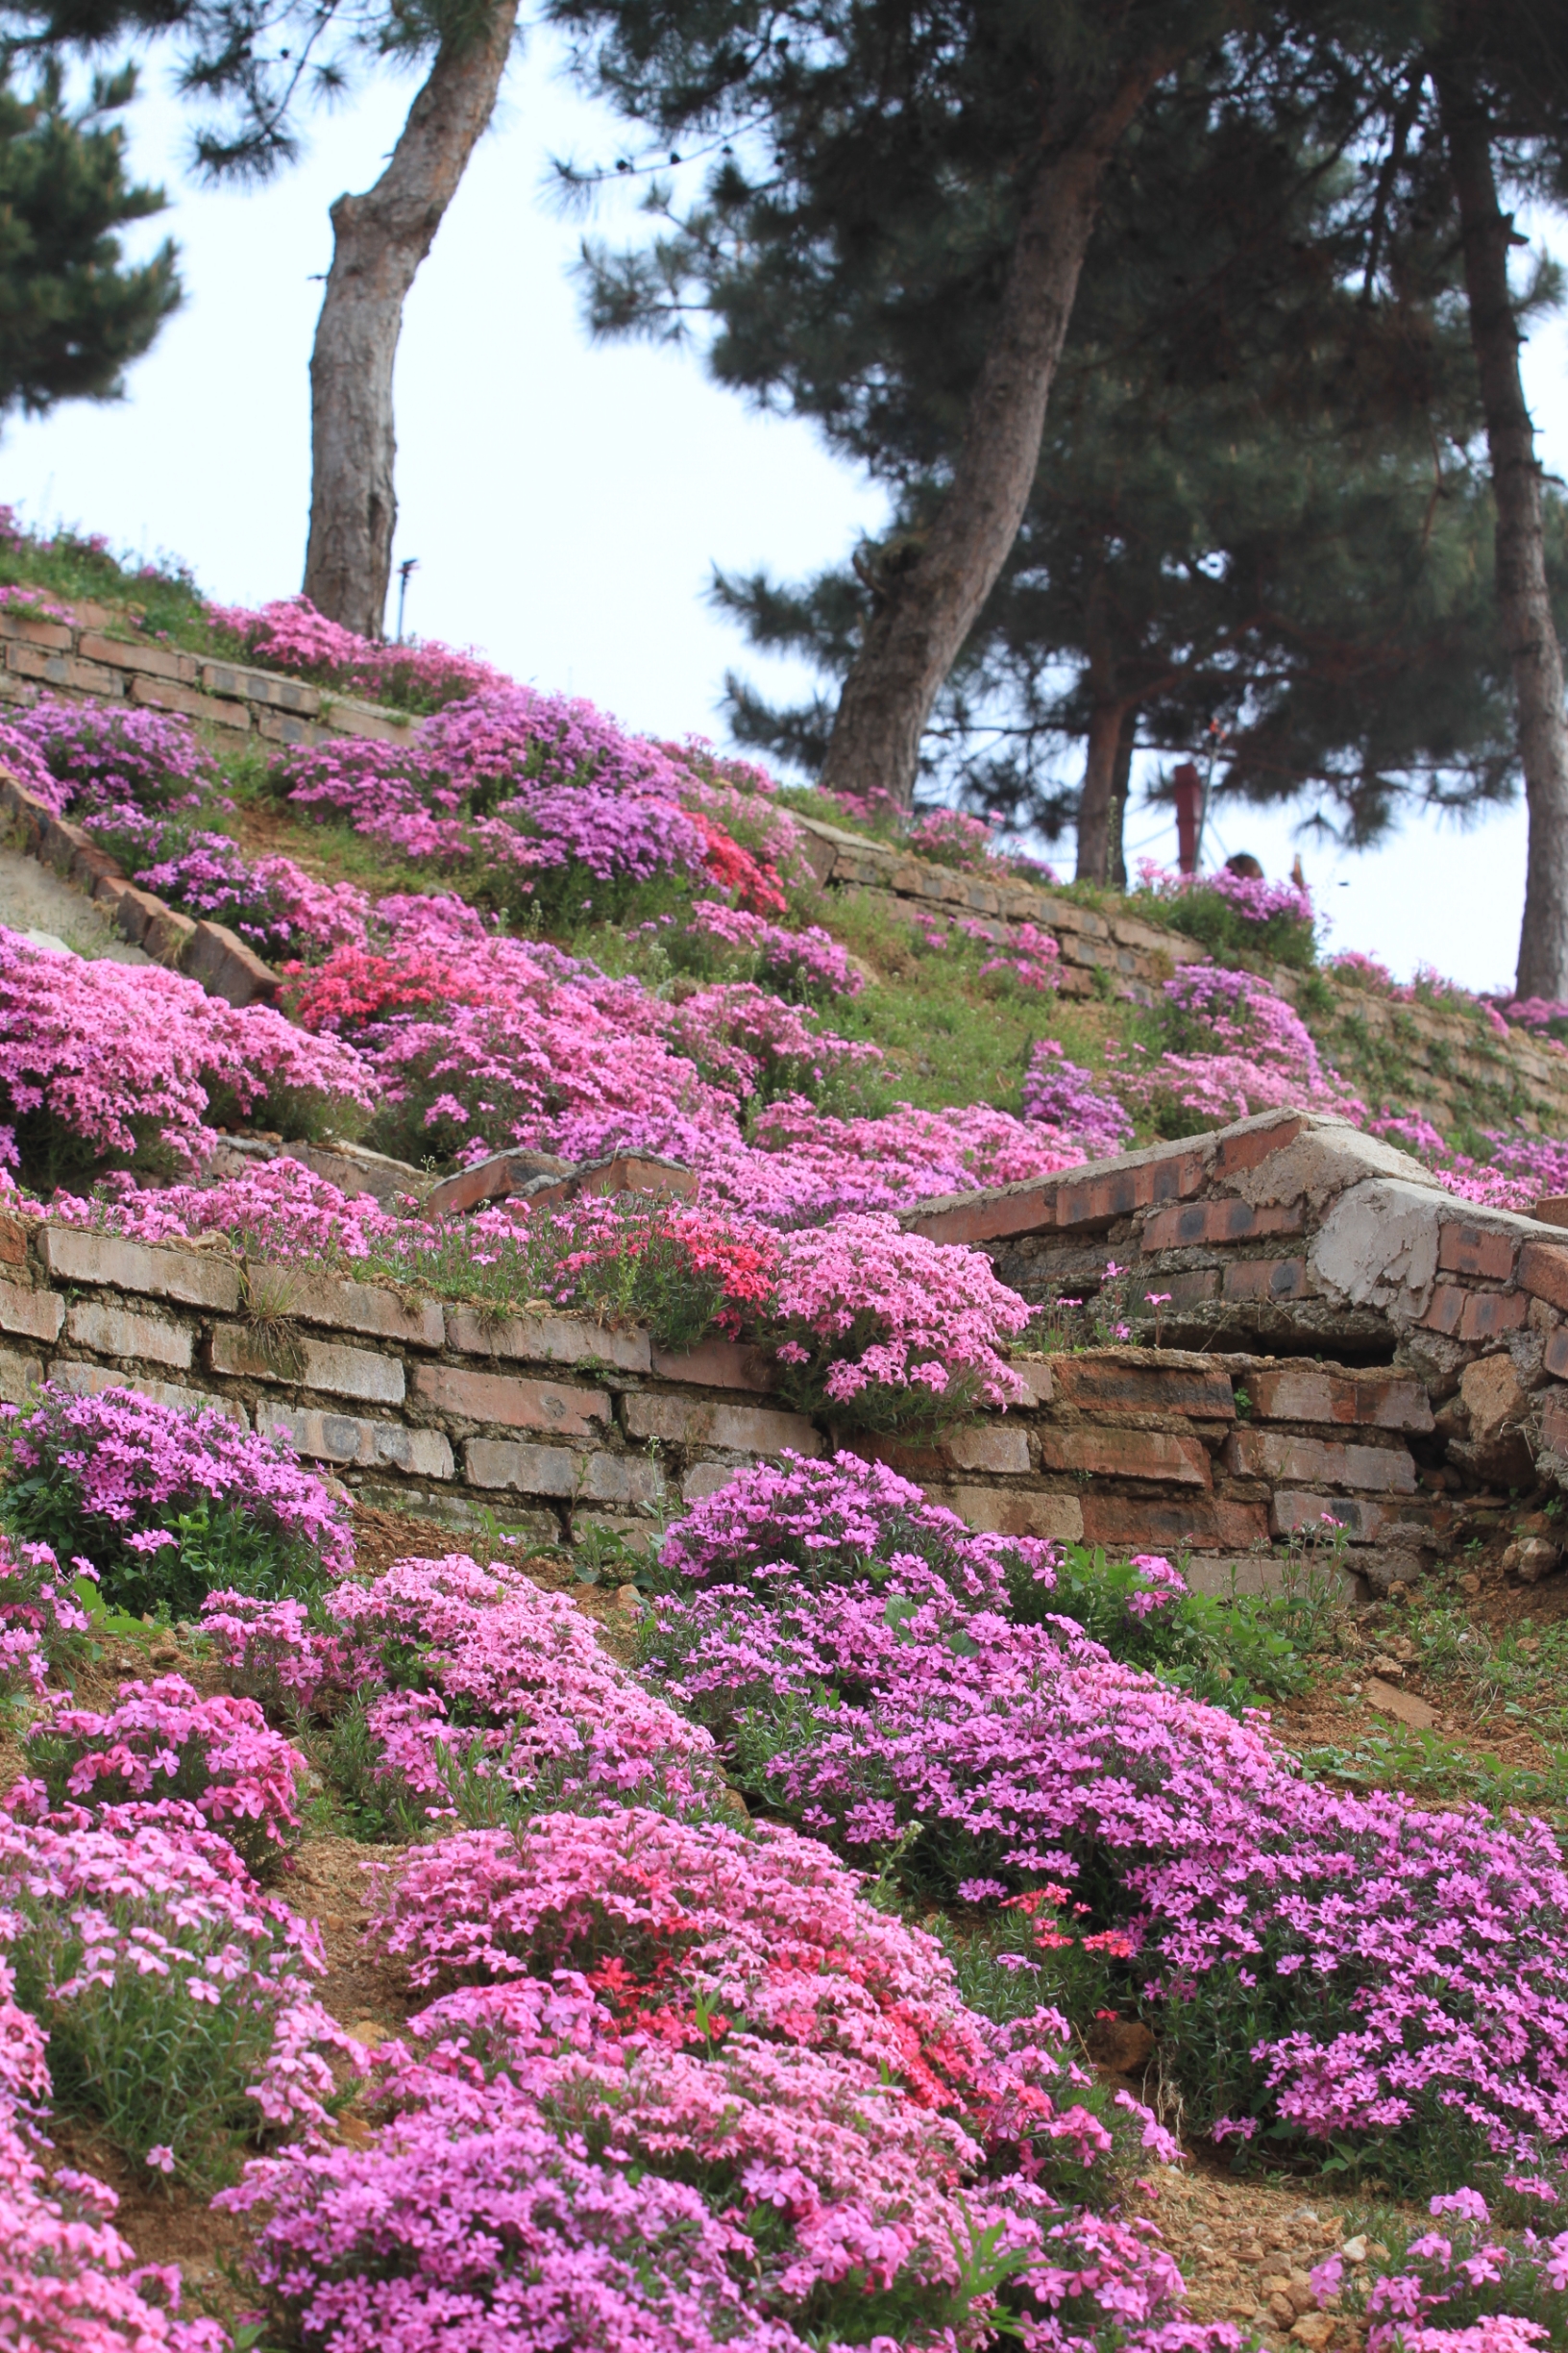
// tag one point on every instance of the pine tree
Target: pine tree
(72, 313)
(904, 197)
(1257, 503)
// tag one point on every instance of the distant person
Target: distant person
(1244, 863)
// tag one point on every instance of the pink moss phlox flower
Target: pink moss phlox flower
(162, 1739)
(123, 1058)
(132, 1459)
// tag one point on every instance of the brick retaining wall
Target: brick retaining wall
(555, 1423)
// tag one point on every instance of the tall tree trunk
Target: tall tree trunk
(1106, 771)
(915, 635)
(1524, 601)
(379, 241)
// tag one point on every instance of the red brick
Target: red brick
(1002, 1448)
(1543, 1272)
(225, 967)
(716, 1364)
(92, 866)
(14, 1242)
(343, 717)
(1267, 1278)
(1201, 1222)
(989, 1217)
(492, 1180)
(628, 1172)
(1126, 1454)
(1038, 1377)
(1474, 1250)
(1294, 1513)
(315, 1298)
(36, 633)
(164, 695)
(111, 1330)
(696, 1421)
(260, 686)
(1135, 1523)
(1273, 1454)
(73, 1255)
(1120, 1191)
(548, 1339)
(62, 841)
(1012, 1511)
(259, 1352)
(1556, 1358)
(1551, 1210)
(135, 912)
(1093, 1381)
(1192, 1289)
(1308, 1393)
(1239, 1152)
(37, 1316)
(167, 936)
(62, 670)
(1486, 1313)
(1446, 1308)
(515, 1404)
(157, 661)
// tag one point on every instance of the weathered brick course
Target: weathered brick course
(512, 1401)
(1126, 1454)
(692, 1421)
(258, 1353)
(120, 1331)
(75, 1256)
(1276, 1455)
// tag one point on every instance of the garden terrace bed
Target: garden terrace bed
(1447, 1065)
(555, 1422)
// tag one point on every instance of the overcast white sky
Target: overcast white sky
(566, 502)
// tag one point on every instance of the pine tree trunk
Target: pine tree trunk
(1106, 770)
(380, 240)
(913, 637)
(1524, 603)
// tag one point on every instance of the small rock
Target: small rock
(1403, 1705)
(164, 1655)
(1389, 1667)
(1282, 2312)
(629, 1598)
(369, 2032)
(1470, 1582)
(1530, 1559)
(1314, 2328)
(1121, 2044)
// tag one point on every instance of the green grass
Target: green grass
(164, 599)
(1427, 1765)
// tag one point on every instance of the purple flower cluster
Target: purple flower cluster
(118, 1466)
(1347, 1969)
(163, 1740)
(1060, 1096)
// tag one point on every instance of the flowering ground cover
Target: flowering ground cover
(686, 2078)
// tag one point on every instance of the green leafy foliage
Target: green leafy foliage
(1235, 1653)
(71, 313)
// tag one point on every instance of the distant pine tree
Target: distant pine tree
(72, 314)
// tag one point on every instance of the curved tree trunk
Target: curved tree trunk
(1523, 599)
(912, 641)
(379, 241)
